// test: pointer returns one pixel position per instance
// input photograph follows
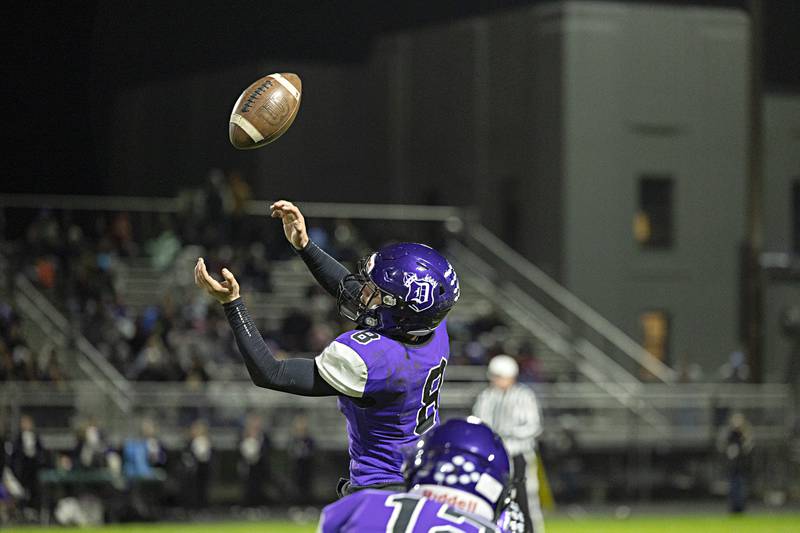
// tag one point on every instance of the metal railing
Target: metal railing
(145, 204)
(53, 324)
(604, 372)
(694, 413)
(582, 321)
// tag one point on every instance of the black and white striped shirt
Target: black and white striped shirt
(513, 414)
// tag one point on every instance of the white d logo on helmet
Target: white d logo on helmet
(420, 291)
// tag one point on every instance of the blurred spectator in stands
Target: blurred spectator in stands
(475, 353)
(196, 374)
(294, 331)
(121, 233)
(240, 194)
(163, 249)
(24, 364)
(140, 455)
(512, 411)
(320, 235)
(689, 373)
(8, 317)
(45, 269)
(254, 468)
(790, 326)
(50, 370)
(16, 360)
(320, 335)
(736, 443)
(152, 362)
(301, 453)
(28, 456)
(735, 369)
(196, 461)
(44, 233)
(320, 304)
(486, 320)
(530, 366)
(348, 245)
(256, 268)
(10, 488)
(566, 458)
(215, 222)
(6, 363)
(91, 449)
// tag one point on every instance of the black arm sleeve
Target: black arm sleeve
(326, 270)
(296, 376)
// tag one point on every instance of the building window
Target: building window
(652, 224)
(796, 216)
(655, 333)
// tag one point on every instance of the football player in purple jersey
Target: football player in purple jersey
(387, 373)
(458, 479)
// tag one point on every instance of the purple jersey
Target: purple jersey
(376, 510)
(390, 396)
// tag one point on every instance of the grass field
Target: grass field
(784, 523)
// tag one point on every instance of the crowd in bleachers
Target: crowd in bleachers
(18, 362)
(79, 263)
(138, 477)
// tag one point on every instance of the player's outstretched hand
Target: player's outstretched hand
(294, 225)
(224, 292)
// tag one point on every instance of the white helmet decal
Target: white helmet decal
(420, 296)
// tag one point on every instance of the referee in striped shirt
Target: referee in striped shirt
(512, 411)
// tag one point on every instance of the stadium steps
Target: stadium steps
(45, 325)
(613, 381)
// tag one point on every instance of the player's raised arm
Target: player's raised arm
(328, 272)
(296, 376)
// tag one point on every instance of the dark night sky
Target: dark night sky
(66, 60)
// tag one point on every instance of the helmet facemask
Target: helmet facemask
(360, 298)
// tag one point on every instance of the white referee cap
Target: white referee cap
(503, 366)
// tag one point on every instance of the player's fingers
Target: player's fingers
(201, 278)
(197, 280)
(209, 281)
(281, 212)
(293, 209)
(277, 208)
(228, 275)
(287, 207)
(230, 279)
(280, 205)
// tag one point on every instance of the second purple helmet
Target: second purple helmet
(402, 289)
(463, 462)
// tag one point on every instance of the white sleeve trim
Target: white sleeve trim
(343, 369)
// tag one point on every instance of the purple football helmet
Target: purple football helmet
(402, 289)
(465, 455)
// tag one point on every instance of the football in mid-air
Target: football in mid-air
(265, 110)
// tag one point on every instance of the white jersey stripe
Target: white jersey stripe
(343, 368)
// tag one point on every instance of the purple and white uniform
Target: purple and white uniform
(389, 396)
(375, 510)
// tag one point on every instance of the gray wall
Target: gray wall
(656, 90)
(781, 168)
